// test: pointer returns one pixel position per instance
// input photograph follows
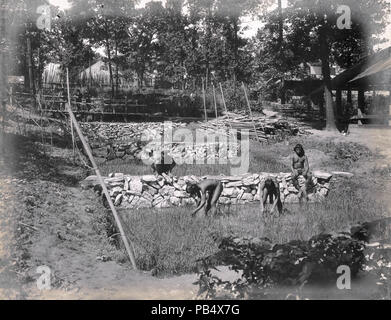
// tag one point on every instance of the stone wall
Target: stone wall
(105, 131)
(127, 144)
(166, 191)
(186, 153)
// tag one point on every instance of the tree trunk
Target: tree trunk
(90, 76)
(280, 45)
(140, 78)
(30, 65)
(116, 68)
(280, 25)
(236, 49)
(282, 93)
(361, 100)
(338, 103)
(349, 95)
(324, 51)
(39, 70)
(208, 36)
(3, 75)
(110, 67)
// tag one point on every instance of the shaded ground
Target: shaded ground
(46, 219)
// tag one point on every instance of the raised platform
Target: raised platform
(152, 191)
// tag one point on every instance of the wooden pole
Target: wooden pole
(214, 99)
(204, 100)
(361, 104)
(69, 103)
(104, 188)
(251, 113)
(11, 96)
(90, 79)
(389, 113)
(225, 106)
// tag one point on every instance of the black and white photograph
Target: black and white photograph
(210, 151)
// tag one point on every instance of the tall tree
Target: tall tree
(64, 44)
(230, 13)
(105, 22)
(202, 11)
(174, 37)
(312, 32)
(142, 47)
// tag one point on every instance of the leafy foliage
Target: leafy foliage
(183, 43)
(311, 34)
(263, 264)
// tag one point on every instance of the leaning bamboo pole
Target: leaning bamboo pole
(251, 113)
(102, 183)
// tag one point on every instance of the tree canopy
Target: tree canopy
(185, 42)
(313, 33)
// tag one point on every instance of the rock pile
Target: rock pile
(164, 191)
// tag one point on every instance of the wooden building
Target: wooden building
(370, 75)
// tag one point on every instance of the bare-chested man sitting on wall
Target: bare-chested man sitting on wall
(301, 167)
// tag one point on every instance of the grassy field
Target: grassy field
(263, 158)
(169, 241)
(171, 245)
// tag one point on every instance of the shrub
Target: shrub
(263, 264)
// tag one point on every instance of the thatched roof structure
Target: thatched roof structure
(52, 73)
(99, 73)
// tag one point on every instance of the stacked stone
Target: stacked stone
(164, 191)
(128, 145)
(125, 131)
(192, 153)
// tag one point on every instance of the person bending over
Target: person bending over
(270, 188)
(164, 164)
(299, 167)
(110, 151)
(207, 202)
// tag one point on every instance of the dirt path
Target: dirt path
(47, 220)
(10, 286)
(77, 255)
(376, 139)
(61, 236)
